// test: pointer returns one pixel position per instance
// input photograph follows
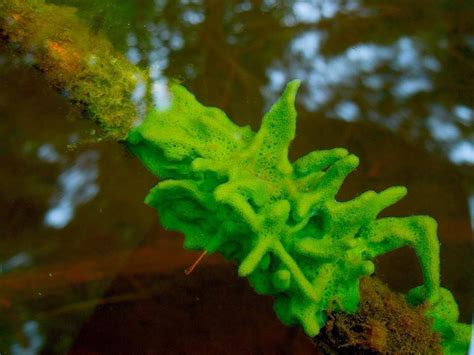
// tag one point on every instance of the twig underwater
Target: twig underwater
(233, 191)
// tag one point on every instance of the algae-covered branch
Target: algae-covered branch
(81, 64)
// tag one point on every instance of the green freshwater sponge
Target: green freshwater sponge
(233, 191)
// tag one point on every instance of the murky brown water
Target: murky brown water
(85, 266)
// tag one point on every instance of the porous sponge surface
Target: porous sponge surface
(232, 191)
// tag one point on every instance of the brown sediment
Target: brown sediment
(384, 324)
(198, 314)
(82, 64)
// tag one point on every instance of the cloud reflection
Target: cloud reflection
(77, 185)
(384, 73)
(22, 259)
(34, 339)
(463, 152)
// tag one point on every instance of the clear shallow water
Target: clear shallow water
(84, 263)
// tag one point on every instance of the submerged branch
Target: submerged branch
(24, 285)
(81, 64)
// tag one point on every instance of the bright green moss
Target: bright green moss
(235, 192)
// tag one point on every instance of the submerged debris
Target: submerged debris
(384, 324)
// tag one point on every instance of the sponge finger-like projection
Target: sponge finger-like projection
(233, 191)
(419, 232)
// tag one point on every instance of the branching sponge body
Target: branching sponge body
(232, 191)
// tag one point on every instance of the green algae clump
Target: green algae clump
(232, 191)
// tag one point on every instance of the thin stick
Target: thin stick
(190, 269)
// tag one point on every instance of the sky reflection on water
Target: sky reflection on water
(76, 186)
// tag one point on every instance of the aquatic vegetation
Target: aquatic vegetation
(83, 65)
(232, 191)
